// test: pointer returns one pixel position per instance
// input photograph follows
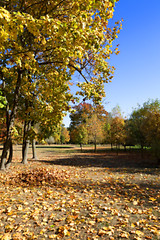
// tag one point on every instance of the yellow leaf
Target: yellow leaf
(135, 203)
(139, 233)
(6, 236)
(101, 232)
(52, 236)
(43, 41)
(152, 199)
(63, 231)
(132, 225)
(17, 236)
(91, 222)
(124, 235)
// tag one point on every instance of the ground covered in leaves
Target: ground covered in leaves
(80, 196)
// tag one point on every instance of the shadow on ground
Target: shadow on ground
(128, 162)
(51, 146)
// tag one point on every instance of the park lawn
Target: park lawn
(73, 195)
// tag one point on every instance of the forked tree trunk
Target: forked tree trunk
(10, 123)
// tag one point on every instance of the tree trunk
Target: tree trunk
(95, 146)
(142, 151)
(25, 147)
(8, 163)
(81, 146)
(117, 148)
(25, 151)
(111, 146)
(34, 149)
(10, 124)
(6, 148)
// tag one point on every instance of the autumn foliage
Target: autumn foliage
(37, 177)
(42, 44)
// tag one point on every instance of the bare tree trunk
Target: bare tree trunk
(10, 124)
(25, 151)
(34, 149)
(142, 151)
(4, 155)
(7, 143)
(81, 146)
(6, 148)
(25, 146)
(111, 146)
(8, 163)
(95, 146)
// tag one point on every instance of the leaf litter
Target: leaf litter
(43, 201)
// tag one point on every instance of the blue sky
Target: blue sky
(137, 74)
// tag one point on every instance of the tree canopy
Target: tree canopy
(46, 37)
(42, 44)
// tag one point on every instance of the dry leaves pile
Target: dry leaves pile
(64, 202)
(36, 177)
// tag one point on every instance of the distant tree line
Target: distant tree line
(92, 124)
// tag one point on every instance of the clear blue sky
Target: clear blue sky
(137, 74)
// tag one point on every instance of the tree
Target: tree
(50, 38)
(115, 127)
(107, 131)
(152, 126)
(117, 130)
(79, 116)
(79, 135)
(77, 128)
(136, 126)
(95, 127)
(129, 140)
(65, 137)
(87, 123)
(44, 105)
(144, 126)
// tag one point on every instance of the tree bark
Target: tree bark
(25, 151)
(10, 123)
(8, 163)
(34, 149)
(95, 146)
(25, 146)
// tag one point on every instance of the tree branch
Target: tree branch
(70, 65)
